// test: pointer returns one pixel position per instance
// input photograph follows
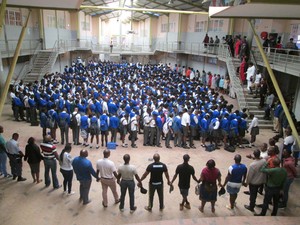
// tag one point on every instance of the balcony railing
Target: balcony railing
(8, 48)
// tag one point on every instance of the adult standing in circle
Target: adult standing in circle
(33, 156)
(66, 168)
(208, 188)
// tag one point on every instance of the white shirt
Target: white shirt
(12, 147)
(78, 117)
(66, 163)
(257, 78)
(185, 119)
(254, 123)
(250, 72)
(133, 124)
(106, 168)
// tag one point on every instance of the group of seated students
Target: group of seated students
(103, 97)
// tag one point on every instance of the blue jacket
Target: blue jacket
(114, 122)
(83, 169)
(84, 122)
(63, 116)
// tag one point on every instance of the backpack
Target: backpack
(166, 126)
(94, 127)
(229, 148)
(210, 148)
(103, 123)
(73, 121)
(50, 122)
(62, 122)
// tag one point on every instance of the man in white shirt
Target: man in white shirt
(75, 125)
(250, 76)
(253, 129)
(108, 172)
(133, 130)
(185, 123)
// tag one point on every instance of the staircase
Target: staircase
(42, 64)
(246, 100)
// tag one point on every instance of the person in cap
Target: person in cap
(185, 171)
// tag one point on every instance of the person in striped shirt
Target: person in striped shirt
(50, 156)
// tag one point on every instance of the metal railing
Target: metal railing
(8, 48)
(284, 60)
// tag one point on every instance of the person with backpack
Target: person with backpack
(167, 129)
(75, 125)
(133, 129)
(52, 123)
(43, 121)
(123, 128)
(104, 124)
(94, 129)
(63, 123)
(84, 126)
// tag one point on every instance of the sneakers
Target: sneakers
(71, 193)
(180, 207)
(58, 187)
(133, 210)
(124, 145)
(97, 147)
(121, 210)
(249, 208)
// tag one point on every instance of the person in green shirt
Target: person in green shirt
(275, 182)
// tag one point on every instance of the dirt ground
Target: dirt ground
(28, 203)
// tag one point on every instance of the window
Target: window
(61, 23)
(51, 21)
(200, 26)
(85, 25)
(13, 18)
(216, 25)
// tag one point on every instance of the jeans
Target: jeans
(68, 177)
(50, 164)
(286, 188)
(130, 185)
(84, 190)
(271, 193)
(160, 191)
(3, 159)
(112, 185)
(253, 194)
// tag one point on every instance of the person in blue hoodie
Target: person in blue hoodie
(114, 123)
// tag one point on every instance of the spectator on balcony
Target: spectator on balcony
(237, 46)
(291, 44)
(206, 40)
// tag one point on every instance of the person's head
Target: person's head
(211, 164)
(15, 136)
(264, 147)
(156, 157)
(1, 129)
(106, 153)
(271, 151)
(287, 153)
(31, 141)
(288, 131)
(276, 162)
(271, 142)
(126, 158)
(67, 149)
(251, 116)
(237, 158)
(186, 158)
(256, 153)
(84, 153)
(47, 138)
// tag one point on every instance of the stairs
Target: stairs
(246, 100)
(43, 63)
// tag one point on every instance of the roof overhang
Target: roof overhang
(45, 4)
(257, 10)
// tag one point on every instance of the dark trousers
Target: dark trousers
(178, 138)
(146, 134)
(253, 194)
(133, 135)
(271, 193)
(113, 134)
(68, 177)
(130, 185)
(168, 138)
(27, 111)
(160, 191)
(84, 190)
(44, 131)
(15, 163)
(75, 132)
(50, 164)
(64, 134)
(158, 134)
(152, 135)
(33, 116)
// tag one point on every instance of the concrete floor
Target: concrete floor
(28, 203)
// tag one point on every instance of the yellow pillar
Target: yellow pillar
(2, 14)
(13, 64)
(275, 83)
(231, 26)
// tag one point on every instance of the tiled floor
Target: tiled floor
(28, 203)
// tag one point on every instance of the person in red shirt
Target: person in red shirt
(289, 165)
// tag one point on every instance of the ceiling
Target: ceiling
(105, 14)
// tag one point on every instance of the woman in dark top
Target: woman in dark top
(33, 157)
(208, 188)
